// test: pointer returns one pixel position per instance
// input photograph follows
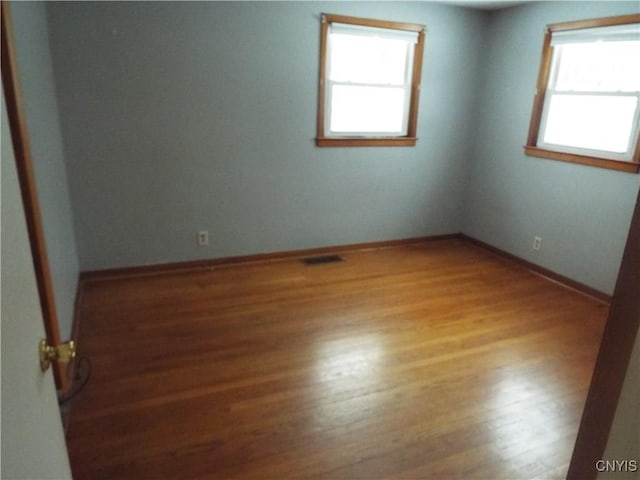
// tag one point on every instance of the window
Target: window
(369, 82)
(587, 104)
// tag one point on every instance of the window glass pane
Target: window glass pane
(367, 59)
(599, 67)
(591, 122)
(356, 109)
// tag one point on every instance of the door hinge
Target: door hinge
(63, 352)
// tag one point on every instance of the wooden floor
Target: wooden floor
(435, 360)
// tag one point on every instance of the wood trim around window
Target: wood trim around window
(365, 142)
(531, 148)
(405, 141)
(631, 167)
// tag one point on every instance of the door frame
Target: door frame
(613, 359)
(26, 177)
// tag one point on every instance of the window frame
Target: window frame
(323, 140)
(532, 147)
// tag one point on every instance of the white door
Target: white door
(33, 444)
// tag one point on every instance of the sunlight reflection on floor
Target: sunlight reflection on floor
(526, 421)
(344, 369)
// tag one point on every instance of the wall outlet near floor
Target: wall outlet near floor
(203, 238)
(537, 243)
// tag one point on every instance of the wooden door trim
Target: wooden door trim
(26, 178)
(613, 359)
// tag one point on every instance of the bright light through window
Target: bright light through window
(592, 99)
(368, 81)
(590, 122)
(599, 67)
(367, 109)
(367, 59)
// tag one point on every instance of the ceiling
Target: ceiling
(485, 4)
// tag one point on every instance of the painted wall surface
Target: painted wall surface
(43, 125)
(33, 444)
(181, 117)
(201, 116)
(582, 213)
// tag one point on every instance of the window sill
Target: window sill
(365, 142)
(631, 167)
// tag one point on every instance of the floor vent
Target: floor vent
(322, 259)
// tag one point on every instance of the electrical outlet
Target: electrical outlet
(537, 243)
(203, 238)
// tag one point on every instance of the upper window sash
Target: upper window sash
(385, 33)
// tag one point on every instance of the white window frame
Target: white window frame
(413, 69)
(551, 90)
(406, 86)
(582, 31)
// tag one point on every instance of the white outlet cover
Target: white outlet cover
(203, 238)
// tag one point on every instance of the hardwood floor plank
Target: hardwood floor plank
(435, 360)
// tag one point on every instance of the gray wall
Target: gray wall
(41, 110)
(582, 213)
(181, 117)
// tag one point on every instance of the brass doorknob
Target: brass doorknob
(63, 352)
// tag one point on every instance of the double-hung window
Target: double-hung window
(587, 105)
(369, 82)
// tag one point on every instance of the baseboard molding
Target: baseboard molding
(158, 269)
(543, 272)
(176, 267)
